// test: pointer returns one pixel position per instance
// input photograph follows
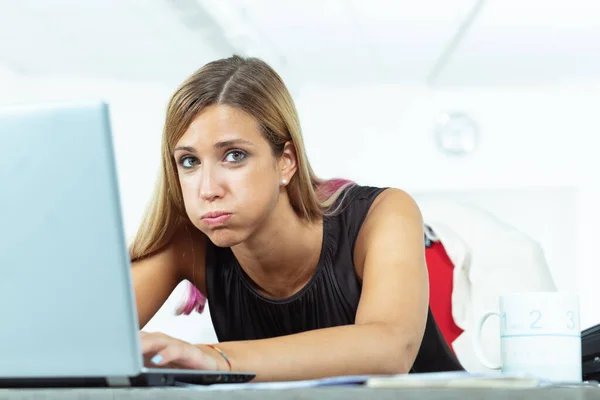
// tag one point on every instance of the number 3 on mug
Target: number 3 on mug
(571, 320)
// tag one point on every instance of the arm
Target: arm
(391, 316)
(155, 277)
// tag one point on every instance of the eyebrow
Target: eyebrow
(218, 145)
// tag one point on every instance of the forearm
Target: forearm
(345, 350)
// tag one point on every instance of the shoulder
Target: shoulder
(393, 214)
(393, 202)
(393, 210)
(354, 202)
(382, 202)
(362, 192)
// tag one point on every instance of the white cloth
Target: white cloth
(490, 258)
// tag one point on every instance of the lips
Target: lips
(215, 217)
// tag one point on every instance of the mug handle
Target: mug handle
(479, 353)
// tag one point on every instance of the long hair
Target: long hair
(251, 85)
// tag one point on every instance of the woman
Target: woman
(305, 278)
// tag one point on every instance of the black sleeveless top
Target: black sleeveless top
(329, 299)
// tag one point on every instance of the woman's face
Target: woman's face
(229, 177)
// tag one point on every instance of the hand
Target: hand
(164, 351)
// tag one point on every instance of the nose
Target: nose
(210, 186)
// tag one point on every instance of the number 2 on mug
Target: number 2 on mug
(537, 315)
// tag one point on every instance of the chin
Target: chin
(225, 237)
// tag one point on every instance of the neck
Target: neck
(283, 254)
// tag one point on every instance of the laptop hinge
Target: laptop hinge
(118, 381)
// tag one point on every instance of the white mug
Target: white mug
(540, 336)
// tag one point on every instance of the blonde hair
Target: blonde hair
(251, 85)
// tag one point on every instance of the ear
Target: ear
(288, 163)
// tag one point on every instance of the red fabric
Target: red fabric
(441, 269)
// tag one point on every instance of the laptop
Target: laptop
(67, 306)
(590, 352)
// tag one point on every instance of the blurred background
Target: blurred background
(491, 103)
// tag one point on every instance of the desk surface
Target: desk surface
(329, 393)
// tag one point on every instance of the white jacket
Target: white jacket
(490, 258)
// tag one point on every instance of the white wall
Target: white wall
(531, 138)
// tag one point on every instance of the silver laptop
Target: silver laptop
(67, 306)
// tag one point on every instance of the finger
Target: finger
(153, 343)
(161, 350)
(184, 355)
(170, 355)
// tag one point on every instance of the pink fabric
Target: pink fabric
(329, 187)
(195, 301)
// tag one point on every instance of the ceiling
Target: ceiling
(123, 39)
(532, 42)
(312, 43)
(345, 42)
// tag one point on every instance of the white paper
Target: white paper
(433, 379)
(333, 381)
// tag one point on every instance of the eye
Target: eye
(235, 156)
(189, 162)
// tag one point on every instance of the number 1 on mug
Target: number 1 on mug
(571, 320)
(503, 319)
